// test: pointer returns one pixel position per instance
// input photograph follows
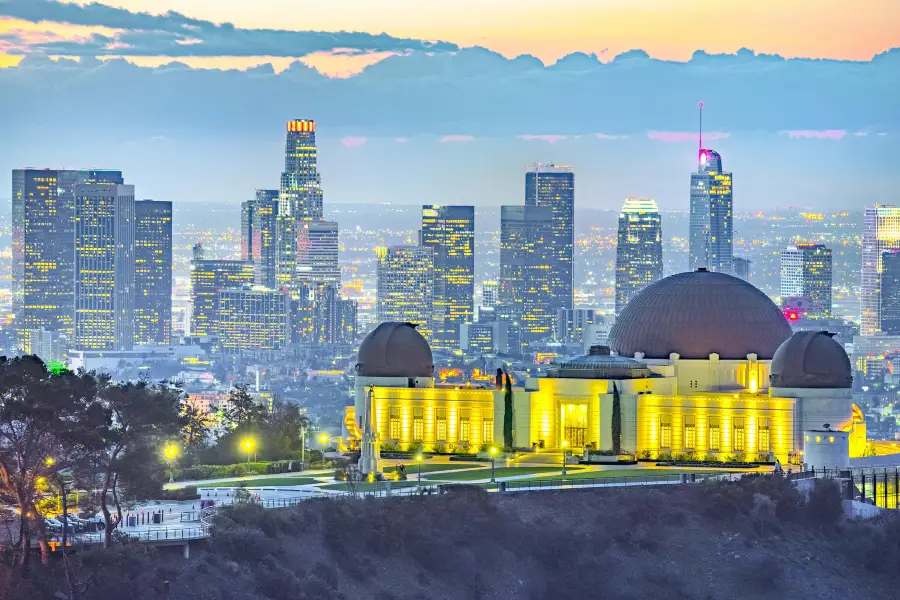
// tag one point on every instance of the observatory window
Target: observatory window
(740, 435)
(765, 439)
(441, 425)
(665, 431)
(418, 424)
(464, 430)
(394, 433)
(488, 433)
(690, 433)
(715, 434)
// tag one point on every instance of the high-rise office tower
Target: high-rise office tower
(258, 218)
(334, 318)
(889, 305)
(208, 277)
(104, 266)
(806, 274)
(317, 253)
(553, 187)
(742, 267)
(43, 247)
(405, 286)
(253, 318)
(711, 227)
(639, 249)
(571, 323)
(300, 197)
(490, 293)
(152, 272)
(450, 233)
(526, 259)
(881, 232)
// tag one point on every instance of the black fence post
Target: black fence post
(862, 485)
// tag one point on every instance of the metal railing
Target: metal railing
(880, 487)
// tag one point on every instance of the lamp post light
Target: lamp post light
(249, 445)
(419, 458)
(323, 439)
(565, 446)
(493, 451)
(171, 452)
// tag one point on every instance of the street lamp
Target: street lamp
(49, 461)
(565, 445)
(171, 454)
(323, 439)
(249, 445)
(493, 451)
(419, 458)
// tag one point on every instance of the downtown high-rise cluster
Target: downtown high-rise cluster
(92, 267)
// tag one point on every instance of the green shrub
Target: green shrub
(824, 506)
(712, 458)
(664, 456)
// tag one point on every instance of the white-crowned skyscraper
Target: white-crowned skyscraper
(638, 250)
(711, 227)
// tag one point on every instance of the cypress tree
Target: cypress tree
(508, 414)
(616, 421)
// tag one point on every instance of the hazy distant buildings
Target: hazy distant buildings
(152, 272)
(334, 318)
(806, 274)
(43, 247)
(711, 225)
(742, 267)
(477, 339)
(490, 293)
(889, 306)
(553, 187)
(526, 262)
(405, 287)
(572, 322)
(450, 233)
(881, 232)
(252, 318)
(258, 223)
(49, 346)
(639, 249)
(104, 266)
(208, 277)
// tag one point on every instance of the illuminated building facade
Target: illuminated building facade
(405, 286)
(639, 249)
(258, 218)
(490, 294)
(450, 233)
(711, 244)
(208, 277)
(889, 306)
(726, 380)
(806, 272)
(317, 253)
(152, 272)
(478, 339)
(553, 187)
(43, 247)
(104, 266)
(526, 264)
(881, 232)
(252, 318)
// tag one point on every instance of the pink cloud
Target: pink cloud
(401, 140)
(606, 136)
(457, 138)
(687, 136)
(551, 139)
(815, 134)
(353, 142)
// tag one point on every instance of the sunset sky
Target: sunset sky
(668, 29)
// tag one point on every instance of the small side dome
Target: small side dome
(395, 350)
(811, 359)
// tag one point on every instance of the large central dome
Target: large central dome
(699, 313)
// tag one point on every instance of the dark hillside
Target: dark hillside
(752, 540)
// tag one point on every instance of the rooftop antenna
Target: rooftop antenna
(701, 126)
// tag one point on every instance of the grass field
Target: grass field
(622, 475)
(499, 472)
(260, 482)
(365, 487)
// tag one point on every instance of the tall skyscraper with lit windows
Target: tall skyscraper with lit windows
(152, 272)
(104, 266)
(252, 318)
(258, 225)
(43, 247)
(889, 306)
(450, 233)
(639, 249)
(711, 243)
(527, 257)
(208, 277)
(881, 232)
(317, 253)
(806, 275)
(405, 286)
(553, 187)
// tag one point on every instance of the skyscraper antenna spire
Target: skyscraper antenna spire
(701, 126)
